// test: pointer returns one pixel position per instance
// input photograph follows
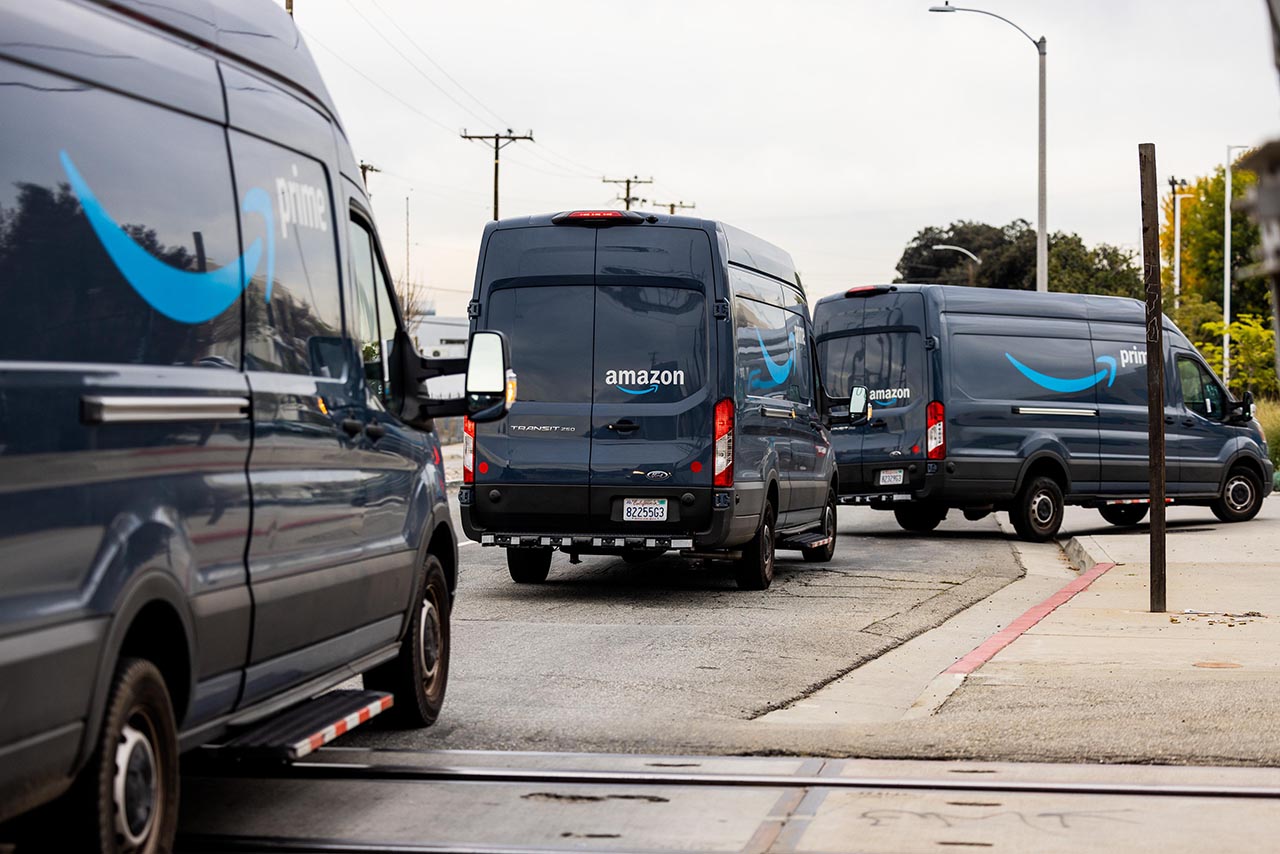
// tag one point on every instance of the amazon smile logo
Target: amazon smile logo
(178, 294)
(652, 379)
(1069, 385)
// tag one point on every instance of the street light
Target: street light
(1226, 266)
(1174, 186)
(1042, 235)
(972, 267)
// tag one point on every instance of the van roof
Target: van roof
(745, 249)
(961, 298)
(260, 35)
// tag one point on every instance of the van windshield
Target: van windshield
(889, 363)
(651, 344)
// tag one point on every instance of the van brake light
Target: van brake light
(936, 431)
(468, 450)
(869, 290)
(723, 444)
(606, 217)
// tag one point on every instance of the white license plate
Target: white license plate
(644, 509)
(891, 477)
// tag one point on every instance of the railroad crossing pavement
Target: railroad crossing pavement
(511, 802)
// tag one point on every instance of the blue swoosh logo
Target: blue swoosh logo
(893, 402)
(651, 388)
(177, 294)
(778, 371)
(1068, 386)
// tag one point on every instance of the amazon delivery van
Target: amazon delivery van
(668, 396)
(984, 400)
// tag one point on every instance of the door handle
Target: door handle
(878, 424)
(352, 426)
(776, 412)
(374, 430)
(623, 426)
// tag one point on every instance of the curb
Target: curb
(1086, 553)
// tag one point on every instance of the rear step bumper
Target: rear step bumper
(585, 541)
(305, 728)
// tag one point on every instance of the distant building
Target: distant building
(444, 337)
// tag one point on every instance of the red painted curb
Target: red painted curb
(988, 648)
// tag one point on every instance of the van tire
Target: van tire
(919, 518)
(754, 570)
(529, 566)
(418, 676)
(1124, 514)
(1241, 497)
(136, 754)
(1037, 511)
(822, 554)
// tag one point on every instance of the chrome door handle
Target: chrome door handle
(776, 412)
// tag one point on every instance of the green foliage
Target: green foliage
(1253, 347)
(1268, 414)
(1191, 315)
(1009, 260)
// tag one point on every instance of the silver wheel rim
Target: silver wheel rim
(134, 788)
(1042, 509)
(766, 551)
(1238, 494)
(432, 641)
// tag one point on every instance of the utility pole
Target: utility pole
(627, 198)
(288, 7)
(1155, 367)
(1174, 186)
(365, 169)
(500, 141)
(671, 206)
(1226, 265)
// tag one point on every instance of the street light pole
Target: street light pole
(1226, 266)
(1042, 216)
(974, 259)
(1174, 186)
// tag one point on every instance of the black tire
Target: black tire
(1037, 511)
(754, 570)
(919, 518)
(126, 797)
(822, 554)
(418, 676)
(1124, 514)
(529, 566)
(1241, 497)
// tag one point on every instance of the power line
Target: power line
(500, 141)
(627, 198)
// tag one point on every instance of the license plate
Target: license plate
(891, 477)
(644, 509)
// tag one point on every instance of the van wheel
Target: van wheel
(754, 570)
(529, 566)
(126, 798)
(920, 518)
(822, 554)
(418, 675)
(1037, 511)
(1124, 514)
(1241, 497)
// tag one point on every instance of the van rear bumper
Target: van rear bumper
(956, 481)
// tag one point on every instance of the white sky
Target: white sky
(833, 128)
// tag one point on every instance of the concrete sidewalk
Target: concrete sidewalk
(1199, 683)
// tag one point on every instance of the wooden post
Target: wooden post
(1155, 365)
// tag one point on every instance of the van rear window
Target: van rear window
(889, 363)
(549, 330)
(651, 344)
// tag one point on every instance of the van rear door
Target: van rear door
(886, 353)
(653, 399)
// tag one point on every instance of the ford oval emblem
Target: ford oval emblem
(658, 475)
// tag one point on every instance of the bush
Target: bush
(1268, 414)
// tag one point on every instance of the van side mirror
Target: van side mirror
(1243, 410)
(491, 384)
(859, 409)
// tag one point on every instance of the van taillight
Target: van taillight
(936, 431)
(724, 444)
(468, 450)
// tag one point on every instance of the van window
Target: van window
(1200, 390)
(370, 295)
(115, 247)
(549, 330)
(772, 352)
(293, 321)
(651, 343)
(890, 363)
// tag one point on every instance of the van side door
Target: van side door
(1203, 440)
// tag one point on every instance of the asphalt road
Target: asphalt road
(606, 656)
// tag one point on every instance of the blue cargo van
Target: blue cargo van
(668, 396)
(220, 493)
(983, 400)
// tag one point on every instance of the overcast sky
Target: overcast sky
(834, 128)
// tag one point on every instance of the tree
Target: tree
(1009, 260)
(415, 304)
(1253, 345)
